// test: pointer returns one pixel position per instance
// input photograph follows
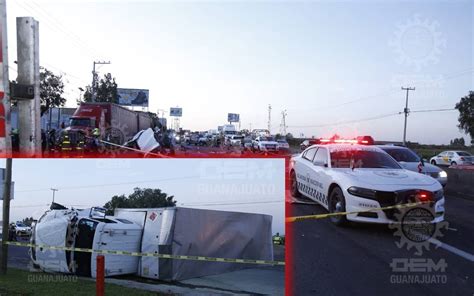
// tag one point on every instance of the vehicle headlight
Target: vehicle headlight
(362, 192)
(442, 174)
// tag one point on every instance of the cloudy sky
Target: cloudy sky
(241, 185)
(331, 65)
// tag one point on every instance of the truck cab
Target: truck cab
(87, 116)
(87, 228)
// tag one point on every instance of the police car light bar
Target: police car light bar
(364, 140)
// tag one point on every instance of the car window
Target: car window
(362, 159)
(309, 154)
(443, 153)
(462, 153)
(450, 154)
(402, 154)
(321, 156)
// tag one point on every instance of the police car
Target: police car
(347, 176)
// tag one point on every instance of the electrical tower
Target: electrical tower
(406, 111)
(283, 123)
(269, 118)
(95, 80)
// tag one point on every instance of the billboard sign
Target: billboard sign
(176, 112)
(133, 97)
(232, 117)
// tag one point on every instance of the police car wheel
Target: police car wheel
(294, 185)
(453, 163)
(433, 162)
(337, 204)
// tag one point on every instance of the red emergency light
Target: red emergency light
(362, 140)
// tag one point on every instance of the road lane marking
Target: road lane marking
(452, 249)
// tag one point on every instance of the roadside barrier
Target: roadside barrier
(323, 216)
(139, 254)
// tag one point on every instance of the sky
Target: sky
(330, 65)
(240, 185)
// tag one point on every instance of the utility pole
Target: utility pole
(269, 118)
(6, 215)
(54, 191)
(283, 123)
(5, 139)
(28, 74)
(94, 78)
(406, 111)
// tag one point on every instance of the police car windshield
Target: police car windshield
(462, 153)
(402, 154)
(362, 159)
(267, 138)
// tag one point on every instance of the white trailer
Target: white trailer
(198, 232)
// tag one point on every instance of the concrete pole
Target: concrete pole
(5, 142)
(28, 74)
(6, 215)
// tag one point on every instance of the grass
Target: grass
(21, 282)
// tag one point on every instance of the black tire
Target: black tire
(453, 163)
(433, 162)
(337, 203)
(294, 185)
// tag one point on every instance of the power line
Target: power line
(109, 184)
(433, 110)
(347, 122)
(57, 28)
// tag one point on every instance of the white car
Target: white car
(452, 158)
(410, 161)
(265, 144)
(343, 177)
(236, 140)
(283, 144)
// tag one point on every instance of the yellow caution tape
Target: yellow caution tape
(139, 254)
(322, 216)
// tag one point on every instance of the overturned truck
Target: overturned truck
(172, 230)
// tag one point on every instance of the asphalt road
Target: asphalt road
(355, 260)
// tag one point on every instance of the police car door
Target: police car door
(319, 182)
(303, 171)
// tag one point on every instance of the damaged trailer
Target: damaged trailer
(198, 232)
(173, 230)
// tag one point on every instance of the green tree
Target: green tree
(106, 90)
(51, 90)
(466, 114)
(140, 198)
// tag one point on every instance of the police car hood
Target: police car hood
(389, 177)
(413, 166)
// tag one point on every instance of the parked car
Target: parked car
(409, 160)
(452, 158)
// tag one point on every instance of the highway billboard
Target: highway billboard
(133, 97)
(233, 117)
(176, 112)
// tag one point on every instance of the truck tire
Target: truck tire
(114, 135)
